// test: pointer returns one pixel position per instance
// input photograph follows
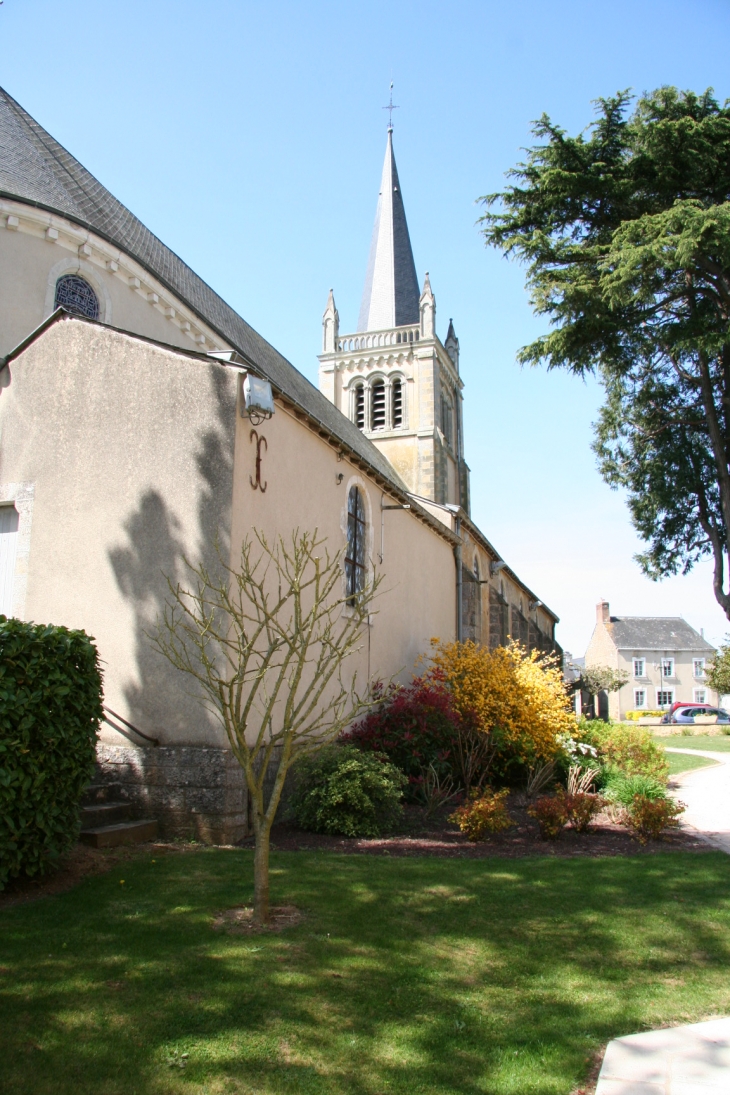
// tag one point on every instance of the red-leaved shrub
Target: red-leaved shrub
(649, 818)
(581, 807)
(551, 814)
(482, 815)
(416, 726)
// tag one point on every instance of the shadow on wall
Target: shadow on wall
(160, 699)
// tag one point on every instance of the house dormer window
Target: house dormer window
(76, 295)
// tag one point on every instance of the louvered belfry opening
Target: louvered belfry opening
(377, 413)
(360, 407)
(397, 389)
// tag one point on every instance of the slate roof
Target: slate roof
(656, 633)
(36, 169)
(391, 294)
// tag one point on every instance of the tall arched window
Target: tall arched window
(377, 405)
(397, 403)
(355, 555)
(359, 406)
(76, 295)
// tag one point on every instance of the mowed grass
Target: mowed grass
(683, 762)
(408, 975)
(719, 743)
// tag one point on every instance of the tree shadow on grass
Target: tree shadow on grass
(409, 976)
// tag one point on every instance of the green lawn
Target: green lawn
(682, 762)
(717, 744)
(420, 975)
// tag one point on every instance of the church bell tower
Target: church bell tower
(393, 377)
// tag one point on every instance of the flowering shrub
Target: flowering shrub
(581, 807)
(648, 818)
(484, 814)
(633, 716)
(551, 814)
(517, 698)
(417, 727)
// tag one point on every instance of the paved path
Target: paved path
(689, 1060)
(706, 792)
(693, 1059)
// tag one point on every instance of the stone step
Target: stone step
(124, 832)
(104, 813)
(101, 792)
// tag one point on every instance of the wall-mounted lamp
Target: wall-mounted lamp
(339, 476)
(534, 604)
(494, 568)
(257, 401)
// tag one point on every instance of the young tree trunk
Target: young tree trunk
(261, 873)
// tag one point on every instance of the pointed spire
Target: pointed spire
(427, 309)
(390, 296)
(330, 325)
(451, 345)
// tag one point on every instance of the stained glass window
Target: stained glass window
(355, 555)
(76, 295)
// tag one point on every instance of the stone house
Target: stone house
(663, 656)
(126, 445)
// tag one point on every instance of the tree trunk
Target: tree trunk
(261, 874)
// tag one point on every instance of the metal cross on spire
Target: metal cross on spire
(391, 107)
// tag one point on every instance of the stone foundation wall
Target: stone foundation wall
(194, 792)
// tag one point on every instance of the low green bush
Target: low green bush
(50, 709)
(621, 788)
(631, 749)
(342, 790)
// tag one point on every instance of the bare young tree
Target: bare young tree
(267, 643)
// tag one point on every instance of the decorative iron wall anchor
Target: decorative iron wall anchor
(256, 483)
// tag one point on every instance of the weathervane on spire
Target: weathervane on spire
(391, 107)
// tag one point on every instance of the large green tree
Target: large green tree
(625, 232)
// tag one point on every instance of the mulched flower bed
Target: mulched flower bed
(419, 835)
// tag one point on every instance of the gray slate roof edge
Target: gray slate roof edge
(401, 493)
(699, 643)
(80, 187)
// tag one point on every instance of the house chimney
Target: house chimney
(603, 615)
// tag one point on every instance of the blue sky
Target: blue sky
(250, 138)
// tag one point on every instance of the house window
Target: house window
(355, 554)
(377, 406)
(700, 695)
(639, 667)
(397, 403)
(667, 667)
(665, 697)
(8, 544)
(698, 667)
(359, 407)
(639, 696)
(76, 295)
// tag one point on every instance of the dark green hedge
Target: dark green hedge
(50, 709)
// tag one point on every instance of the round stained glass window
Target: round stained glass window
(76, 295)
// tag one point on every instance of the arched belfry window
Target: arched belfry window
(397, 403)
(355, 571)
(359, 406)
(377, 405)
(76, 295)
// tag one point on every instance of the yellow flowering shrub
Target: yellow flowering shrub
(506, 691)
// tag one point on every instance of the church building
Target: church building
(128, 444)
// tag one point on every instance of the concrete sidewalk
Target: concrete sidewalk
(689, 1060)
(706, 793)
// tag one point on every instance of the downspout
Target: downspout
(457, 557)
